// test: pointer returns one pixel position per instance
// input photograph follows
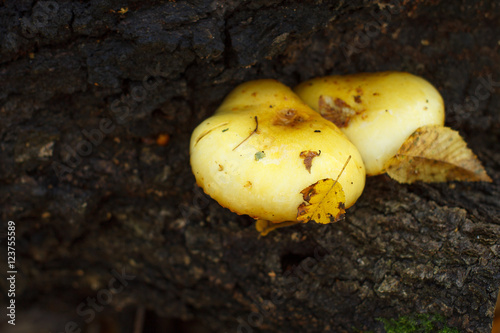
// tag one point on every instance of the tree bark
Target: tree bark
(98, 101)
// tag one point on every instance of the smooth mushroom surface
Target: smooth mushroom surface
(263, 146)
(376, 111)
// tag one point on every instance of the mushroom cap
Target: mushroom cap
(385, 107)
(247, 155)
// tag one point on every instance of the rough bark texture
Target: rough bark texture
(125, 202)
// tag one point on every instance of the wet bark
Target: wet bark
(97, 104)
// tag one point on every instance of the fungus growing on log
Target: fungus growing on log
(396, 120)
(255, 155)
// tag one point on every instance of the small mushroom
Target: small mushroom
(263, 146)
(376, 111)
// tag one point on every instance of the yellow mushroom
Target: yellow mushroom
(376, 111)
(263, 146)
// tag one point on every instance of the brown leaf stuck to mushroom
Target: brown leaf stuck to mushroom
(337, 111)
(308, 156)
(435, 154)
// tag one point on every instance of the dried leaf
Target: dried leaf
(265, 226)
(435, 154)
(337, 111)
(324, 202)
(308, 156)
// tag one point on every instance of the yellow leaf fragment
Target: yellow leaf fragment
(264, 226)
(435, 154)
(324, 202)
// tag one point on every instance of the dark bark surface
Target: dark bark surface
(86, 90)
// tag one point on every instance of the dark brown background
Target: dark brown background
(131, 204)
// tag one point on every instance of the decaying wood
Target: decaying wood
(86, 92)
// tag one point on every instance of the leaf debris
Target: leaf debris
(308, 156)
(337, 111)
(202, 135)
(253, 132)
(435, 154)
(324, 201)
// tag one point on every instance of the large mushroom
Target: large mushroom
(264, 146)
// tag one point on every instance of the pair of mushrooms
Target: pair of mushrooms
(266, 148)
